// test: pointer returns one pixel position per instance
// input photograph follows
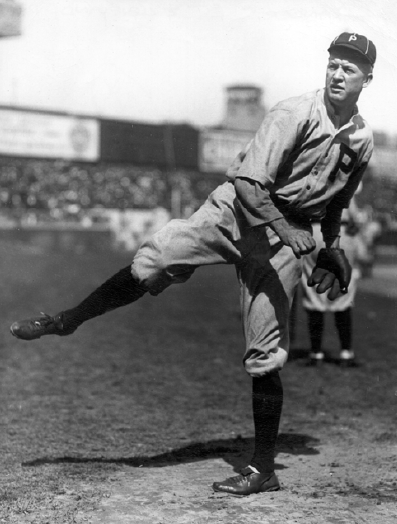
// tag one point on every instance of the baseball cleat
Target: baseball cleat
(36, 327)
(248, 483)
(316, 358)
(347, 359)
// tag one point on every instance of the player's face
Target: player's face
(347, 75)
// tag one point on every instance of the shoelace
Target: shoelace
(238, 479)
(45, 321)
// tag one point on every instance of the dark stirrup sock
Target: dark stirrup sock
(267, 403)
(316, 328)
(344, 325)
(120, 290)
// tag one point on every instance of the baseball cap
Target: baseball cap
(359, 43)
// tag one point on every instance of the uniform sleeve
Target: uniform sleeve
(254, 171)
(232, 170)
(255, 202)
(273, 143)
(330, 224)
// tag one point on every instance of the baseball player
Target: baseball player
(317, 305)
(304, 163)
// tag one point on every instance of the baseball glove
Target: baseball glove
(332, 271)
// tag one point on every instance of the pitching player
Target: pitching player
(304, 163)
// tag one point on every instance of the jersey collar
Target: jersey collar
(335, 118)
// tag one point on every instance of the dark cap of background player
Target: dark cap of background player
(359, 43)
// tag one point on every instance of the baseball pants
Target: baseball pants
(267, 270)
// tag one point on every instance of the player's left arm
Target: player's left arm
(332, 271)
(330, 224)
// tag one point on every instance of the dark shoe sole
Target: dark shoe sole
(248, 494)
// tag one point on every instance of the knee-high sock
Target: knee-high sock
(267, 403)
(343, 322)
(316, 328)
(120, 290)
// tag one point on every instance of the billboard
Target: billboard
(10, 18)
(147, 144)
(219, 147)
(44, 135)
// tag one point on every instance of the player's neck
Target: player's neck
(344, 112)
(344, 116)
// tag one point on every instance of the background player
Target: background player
(317, 305)
(304, 163)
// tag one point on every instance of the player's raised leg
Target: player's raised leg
(121, 289)
(210, 236)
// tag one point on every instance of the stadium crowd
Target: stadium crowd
(53, 190)
(57, 190)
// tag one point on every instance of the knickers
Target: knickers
(268, 271)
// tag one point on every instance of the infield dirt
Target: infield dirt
(132, 418)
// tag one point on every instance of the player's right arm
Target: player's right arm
(255, 171)
(258, 209)
(299, 239)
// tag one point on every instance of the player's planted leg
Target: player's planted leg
(120, 290)
(259, 476)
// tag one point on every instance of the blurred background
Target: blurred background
(116, 115)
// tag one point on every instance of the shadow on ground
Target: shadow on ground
(235, 452)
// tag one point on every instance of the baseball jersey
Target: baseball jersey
(305, 161)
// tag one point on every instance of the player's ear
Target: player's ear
(368, 80)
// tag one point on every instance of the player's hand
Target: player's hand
(299, 239)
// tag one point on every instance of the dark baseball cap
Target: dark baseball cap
(358, 43)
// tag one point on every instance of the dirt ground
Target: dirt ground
(131, 419)
(319, 485)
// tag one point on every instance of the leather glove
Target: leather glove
(332, 271)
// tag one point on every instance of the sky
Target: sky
(171, 60)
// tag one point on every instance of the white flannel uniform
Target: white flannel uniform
(307, 165)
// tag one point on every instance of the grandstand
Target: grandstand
(59, 170)
(55, 168)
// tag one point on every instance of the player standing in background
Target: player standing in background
(305, 163)
(316, 306)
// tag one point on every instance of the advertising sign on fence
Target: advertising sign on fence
(45, 135)
(219, 147)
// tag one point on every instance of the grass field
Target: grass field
(161, 383)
